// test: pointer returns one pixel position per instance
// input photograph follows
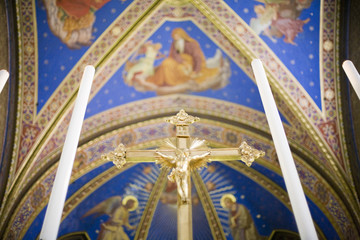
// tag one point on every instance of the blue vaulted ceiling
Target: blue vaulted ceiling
(294, 39)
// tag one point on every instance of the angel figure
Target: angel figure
(182, 163)
(118, 209)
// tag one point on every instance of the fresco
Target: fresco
(296, 44)
(185, 69)
(289, 28)
(165, 215)
(72, 21)
(100, 219)
(322, 221)
(280, 19)
(240, 221)
(263, 17)
(229, 82)
(103, 207)
(118, 209)
(53, 42)
(218, 179)
(221, 184)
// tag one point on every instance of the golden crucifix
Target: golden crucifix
(183, 156)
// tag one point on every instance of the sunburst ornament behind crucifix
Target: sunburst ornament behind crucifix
(183, 156)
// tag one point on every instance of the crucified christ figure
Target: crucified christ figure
(183, 155)
(182, 164)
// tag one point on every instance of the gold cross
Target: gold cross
(183, 156)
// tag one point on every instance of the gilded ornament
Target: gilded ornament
(183, 156)
(249, 154)
(182, 118)
(117, 156)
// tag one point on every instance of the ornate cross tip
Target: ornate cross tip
(182, 118)
(249, 154)
(118, 156)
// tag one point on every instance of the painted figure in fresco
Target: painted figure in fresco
(289, 28)
(185, 69)
(72, 20)
(118, 210)
(186, 62)
(144, 67)
(265, 15)
(240, 221)
(181, 169)
(280, 18)
(169, 196)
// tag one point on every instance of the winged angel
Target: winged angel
(117, 208)
(182, 164)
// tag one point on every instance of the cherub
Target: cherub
(145, 65)
(182, 164)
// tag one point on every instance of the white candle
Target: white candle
(292, 181)
(4, 75)
(352, 75)
(55, 207)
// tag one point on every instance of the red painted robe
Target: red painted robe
(178, 68)
(79, 8)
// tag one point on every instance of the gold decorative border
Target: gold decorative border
(89, 188)
(210, 212)
(278, 192)
(241, 41)
(60, 106)
(104, 61)
(145, 222)
(131, 112)
(342, 175)
(208, 8)
(155, 140)
(59, 103)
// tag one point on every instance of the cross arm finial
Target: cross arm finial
(249, 154)
(120, 156)
(117, 156)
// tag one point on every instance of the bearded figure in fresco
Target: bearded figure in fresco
(72, 20)
(186, 61)
(241, 223)
(118, 210)
(185, 69)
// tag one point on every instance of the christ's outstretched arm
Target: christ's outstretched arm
(197, 157)
(171, 158)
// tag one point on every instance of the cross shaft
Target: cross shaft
(182, 157)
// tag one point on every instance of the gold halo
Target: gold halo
(136, 202)
(228, 195)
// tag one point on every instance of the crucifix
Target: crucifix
(183, 156)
